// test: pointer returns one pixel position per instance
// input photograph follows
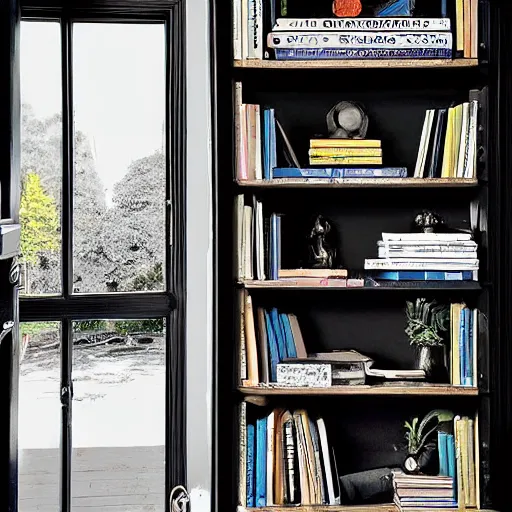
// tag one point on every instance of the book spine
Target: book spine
(258, 149)
(290, 452)
(345, 160)
(238, 135)
(237, 29)
(242, 341)
(383, 264)
(334, 152)
(267, 173)
(272, 148)
(250, 466)
(356, 172)
(362, 24)
(443, 455)
(365, 40)
(468, 358)
(462, 352)
(424, 276)
(258, 29)
(245, 29)
(357, 53)
(251, 28)
(261, 462)
(270, 458)
(386, 253)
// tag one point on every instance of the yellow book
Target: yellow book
(471, 457)
(464, 455)
(369, 160)
(467, 29)
(455, 354)
(345, 152)
(457, 129)
(345, 143)
(474, 29)
(459, 16)
(447, 169)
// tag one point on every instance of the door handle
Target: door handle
(7, 328)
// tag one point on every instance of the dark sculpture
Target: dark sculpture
(347, 120)
(321, 252)
(428, 222)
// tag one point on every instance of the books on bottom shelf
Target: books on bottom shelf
(288, 461)
(456, 485)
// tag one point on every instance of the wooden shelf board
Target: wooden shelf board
(360, 183)
(291, 285)
(422, 389)
(355, 64)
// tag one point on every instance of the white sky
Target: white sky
(119, 87)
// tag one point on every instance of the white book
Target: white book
(434, 264)
(424, 237)
(270, 459)
(422, 150)
(237, 29)
(258, 29)
(239, 231)
(470, 167)
(361, 24)
(258, 168)
(248, 243)
(245, 29)
(463, 141)
(437, 245)
(424, 255)
(356, 40)
(324, 446)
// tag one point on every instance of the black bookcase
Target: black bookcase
(368, 426)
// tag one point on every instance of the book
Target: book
(381, 24)
(237, 30)
(300, 348)
(434, 166)
(251, 480)
(467, 29)
(361, 53)
(346, 152)
(263, 347)
(419, 170)
(291, 459)
(433, 264)
(380, 172)
(251, 346)
(261, 462)
(474, 29)
(273, 349)
(346, 160)
(364, 40)
(459, 30)
(442, 447)
(345, 143)
(306, 375)
(320, 273)
(291, 349)
(326, 461)
(270, 459)
(426, 237)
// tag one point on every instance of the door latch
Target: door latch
(7, 328)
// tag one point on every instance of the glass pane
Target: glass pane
(118, 415)
(119, 101)
(39, 417)
(41, 161)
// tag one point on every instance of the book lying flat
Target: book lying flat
(340, 172)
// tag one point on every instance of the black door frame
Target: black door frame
(68, 307)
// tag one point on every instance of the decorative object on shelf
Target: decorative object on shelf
(322, 253)
(395, 8)
(347, 8)
(428, 222)
(426, 323)
(347, 120)
(421, 448)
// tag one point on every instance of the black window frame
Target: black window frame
(168, 304)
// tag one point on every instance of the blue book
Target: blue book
(261, 462)
(444, 12)
(278, 245)
(442, 450)
(452, 467)
(266, 144)
(281, 345)
(250, 465)
(274, 269)
(467, 360)
(397, 8)
(340, 172)
(462, 331)
(362, 53)
(273, 150)
(272, 347)
(291, 350)
(418, 275)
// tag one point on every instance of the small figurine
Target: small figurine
(321, 254)
(347, 8)
(347, 120)
(428, 222)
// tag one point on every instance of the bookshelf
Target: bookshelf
(369, 319)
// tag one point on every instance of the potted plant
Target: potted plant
(427, 325)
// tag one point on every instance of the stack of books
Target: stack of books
(423, 492)
(289, 461)
(448, 145)
(345, 152)
(463, 341)
(392, 34)
(425, 256)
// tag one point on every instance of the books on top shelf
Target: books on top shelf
(380, 37)
(289, 461)
(345, 152)
(448, 144)
(445, 252)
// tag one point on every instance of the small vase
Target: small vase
(432, 361)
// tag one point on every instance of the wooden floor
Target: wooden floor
(103, 480)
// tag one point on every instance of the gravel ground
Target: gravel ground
(119, 393)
